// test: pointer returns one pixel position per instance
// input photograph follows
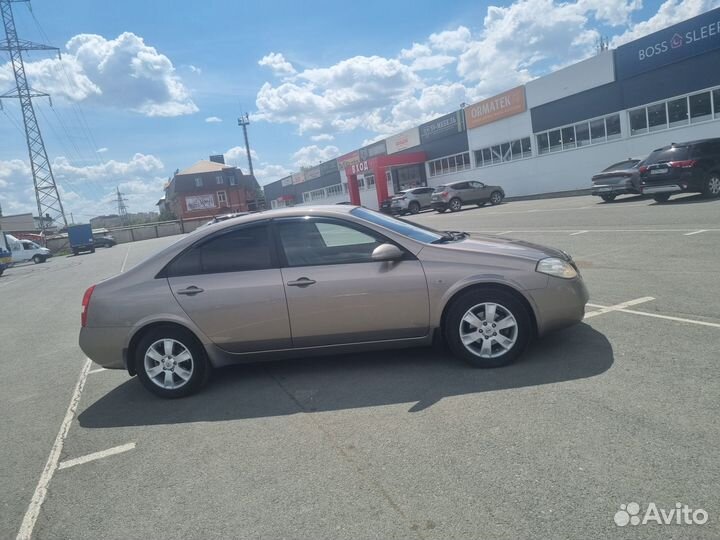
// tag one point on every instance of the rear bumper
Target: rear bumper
(664, 188)
(600, 189)
(104, 346)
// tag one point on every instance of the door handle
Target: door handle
(191, 291)
(302, 282)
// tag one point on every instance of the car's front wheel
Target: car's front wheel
(661, 197)
(414, 207)
(496, 197)
(37, 259)
(608, 198)
(488, 328)
(455, 204)
(170, 362)
(712, 185)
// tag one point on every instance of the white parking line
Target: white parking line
(98, 370)
(122, 268)
(97, 455)
(696, 232)
(578, 232)
(657, 316)
(503, 232)
(617, 307)
(33, 511)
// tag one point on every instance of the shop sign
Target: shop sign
(348, 159)
(442, 127)
(287, 181)
(496, 108)
(683, 40)
(376, 149)
(199, 202)
(329, 167)
(312, 173)
(298, 177)
(361, 167)
(403, 141)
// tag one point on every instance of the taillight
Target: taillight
(85, 304)
(684, 164)
(643, 169)
(444, 194)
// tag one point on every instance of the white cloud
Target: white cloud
(213, 120)
(309, 156)
(102, 150)
(451, 40)
(277, 63)
(232, 155)
(140, 165)
(122, 73)
(323, 137)
(195, 69)
(669, 13)
(268, 173)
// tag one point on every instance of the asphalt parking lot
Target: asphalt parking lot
(404, 444)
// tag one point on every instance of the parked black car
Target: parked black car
(682, 167)
(104, 241)
(618, 179)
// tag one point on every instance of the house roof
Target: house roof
(205, 166)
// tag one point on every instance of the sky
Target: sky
(146, 88)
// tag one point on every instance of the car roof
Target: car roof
(293, 211)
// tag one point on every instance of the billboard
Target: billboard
(495, 108)
(348, 159)
(311, 173)
(287, 181)
(329, 167)
(403, 141)
(375, 149)
(199, 202)
(298, 178)
(678, 42)
(442, 127)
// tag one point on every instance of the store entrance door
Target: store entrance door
(409, 177)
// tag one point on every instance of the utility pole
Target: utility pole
(244, 121)
(46, 192)
(122, 208)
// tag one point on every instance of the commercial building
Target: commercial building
(549, 135)
(209, 188)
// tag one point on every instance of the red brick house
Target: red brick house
(209, 188)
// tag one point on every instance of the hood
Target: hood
(496, 245)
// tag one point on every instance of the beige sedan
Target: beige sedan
(324, 280)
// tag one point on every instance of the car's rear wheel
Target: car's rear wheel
(487, 327)
(496, 198)
(440, 210)
(455, 204)
(712, 185)
(170, 362)
(608, 198)
(37, 259)
(414, 207)
(661, 197)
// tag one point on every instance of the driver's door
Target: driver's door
(336, 293)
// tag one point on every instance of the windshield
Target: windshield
(422, 234)
(663, 155)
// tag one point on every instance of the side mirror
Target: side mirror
(387, 252)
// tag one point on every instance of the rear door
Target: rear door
(231, 287)
(337, 294)
(423, 196)
(480, 192)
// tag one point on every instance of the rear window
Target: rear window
(622, 165)
(663, 155)
(440, 188)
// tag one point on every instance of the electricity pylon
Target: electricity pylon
(46, 192)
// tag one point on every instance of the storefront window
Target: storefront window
(568, 137)
(597, 130)
(612, 124)
(542, 142)
(555, 140)
(638, 121)
(505, 151)
(657, 117)
(515, 150)
(496, 155)
(487, 154)
(700, 107)
(677, 112)
(716, 102)
(582, 134)
(526, 147)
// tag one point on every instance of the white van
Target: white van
(27, 250)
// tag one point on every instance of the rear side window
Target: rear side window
(663, 155)
(708, 149)
(440, 188)
(622, 165)
(237, 251)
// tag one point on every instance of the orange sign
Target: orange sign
(496, 108)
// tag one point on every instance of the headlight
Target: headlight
(553, 266)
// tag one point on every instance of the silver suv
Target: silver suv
(411, 201)
(453, 196)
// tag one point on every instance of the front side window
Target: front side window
(240, 250)
(313, 243)
(404, 228)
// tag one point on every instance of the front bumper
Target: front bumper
(560, 304)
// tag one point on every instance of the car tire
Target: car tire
(441, 210)
(711, 188)
(184, 355)
(92, 250)
(37, 259)
(487, 351)
(608, 198)
(414, 207)
(496, 198)
(481, 204)
(455, 204)
(661, 197)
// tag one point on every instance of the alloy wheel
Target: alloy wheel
(714, 185)
(488, 330)
(495, 198)
(168, 364)
(455, 205)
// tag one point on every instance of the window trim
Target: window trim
(435, 166)
(590, 142)
(282, 258)
(224, 195)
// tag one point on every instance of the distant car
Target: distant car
(619, 178)
(104, 241)
(689, 167)
(411, 201)
(27, 250)
(453, 196)
(329, 279)
(5, 254)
